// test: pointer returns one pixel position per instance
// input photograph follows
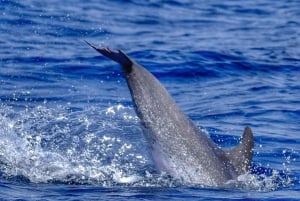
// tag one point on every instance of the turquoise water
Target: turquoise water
(68, 130)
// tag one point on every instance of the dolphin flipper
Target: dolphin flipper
(118, 56)
(241, 155)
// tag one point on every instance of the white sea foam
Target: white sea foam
(43, 144)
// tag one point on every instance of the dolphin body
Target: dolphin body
(178, 147)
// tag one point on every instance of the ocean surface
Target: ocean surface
(68, 129)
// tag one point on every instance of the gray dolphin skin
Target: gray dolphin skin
(179, 148)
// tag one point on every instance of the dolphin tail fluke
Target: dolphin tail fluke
(118, 56)
(241, 156)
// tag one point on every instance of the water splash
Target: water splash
(45, 145)
(92, 146)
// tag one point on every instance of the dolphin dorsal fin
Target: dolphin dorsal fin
(241, 156)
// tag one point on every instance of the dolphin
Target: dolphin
(178, 147)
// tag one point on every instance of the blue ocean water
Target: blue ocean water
(68, 130)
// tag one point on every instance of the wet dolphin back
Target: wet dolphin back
(178, 146)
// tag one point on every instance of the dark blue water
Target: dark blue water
(68, 130)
